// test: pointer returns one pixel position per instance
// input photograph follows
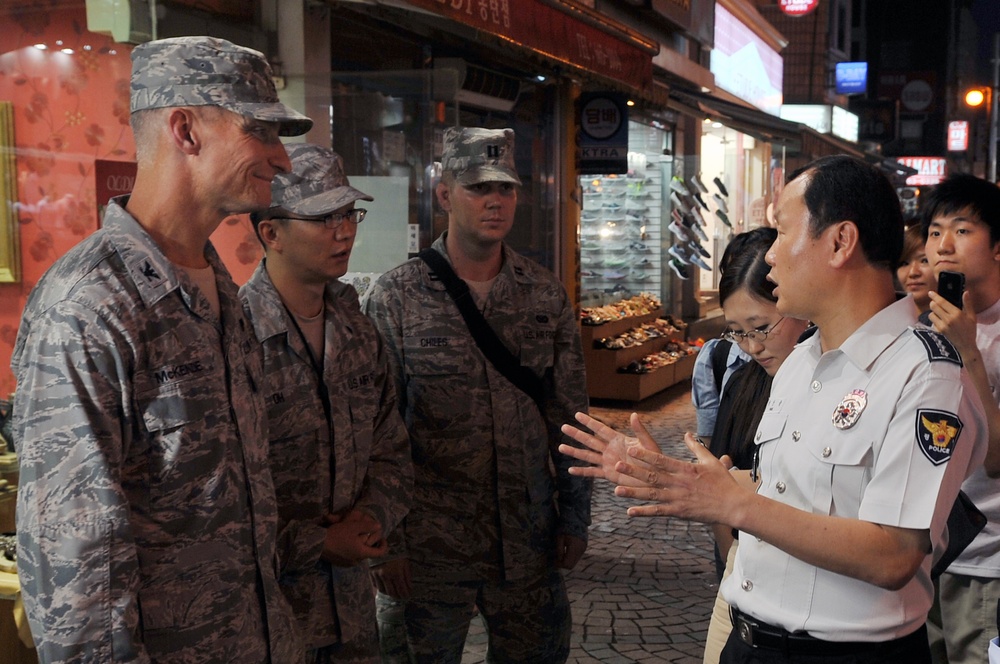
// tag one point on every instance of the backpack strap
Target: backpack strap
(484, 335)
(720, 360)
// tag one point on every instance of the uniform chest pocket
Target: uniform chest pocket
(771, 426)
(172, 405)
(841, 451)
(294, 410)
(438, 355)
(843, 470)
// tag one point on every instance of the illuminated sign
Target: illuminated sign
(825, 119)
(852, 78)
(744, 64)
(930, 170)
(958, 136)
(797, 7)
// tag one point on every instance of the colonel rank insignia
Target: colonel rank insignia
(937, 433)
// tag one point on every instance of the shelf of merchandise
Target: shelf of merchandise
(604, 381)
(620, 232)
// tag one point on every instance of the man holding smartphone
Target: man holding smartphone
(961, 224)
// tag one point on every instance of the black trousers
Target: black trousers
(912, 649)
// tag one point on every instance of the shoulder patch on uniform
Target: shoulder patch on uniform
(937, 434)
(937, 345)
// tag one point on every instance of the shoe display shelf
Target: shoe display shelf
(620, 235)
(604, 378)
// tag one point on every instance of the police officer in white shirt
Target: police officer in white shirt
(871, 428)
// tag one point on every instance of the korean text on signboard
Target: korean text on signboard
(602, 139)
(555, 33)
(958, 136)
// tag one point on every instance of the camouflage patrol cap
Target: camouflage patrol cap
(316, 185)
(477, 155)
(206, 71)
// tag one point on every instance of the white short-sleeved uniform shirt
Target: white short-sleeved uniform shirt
(883, 429)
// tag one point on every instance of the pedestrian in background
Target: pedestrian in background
(961, 223)
(145, 513)
(339, 452)
(915, 272)
(495, 513)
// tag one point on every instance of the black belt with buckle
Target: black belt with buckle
(757, 634)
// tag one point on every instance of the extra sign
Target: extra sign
(602, 139)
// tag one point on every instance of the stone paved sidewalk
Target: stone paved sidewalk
(645, 588)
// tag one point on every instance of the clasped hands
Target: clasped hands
(703, 491)
(352, 537)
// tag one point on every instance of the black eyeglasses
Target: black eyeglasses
(336, 219)
(760, 336)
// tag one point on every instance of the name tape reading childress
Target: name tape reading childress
(487, 340)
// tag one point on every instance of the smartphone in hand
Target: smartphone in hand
(951, 285)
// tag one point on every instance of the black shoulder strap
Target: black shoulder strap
(487, 340)
(720, 360)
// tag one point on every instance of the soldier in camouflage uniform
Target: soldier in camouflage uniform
(490, 525)
(339, 453)
(146, 513)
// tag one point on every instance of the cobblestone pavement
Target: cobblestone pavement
(645, 588)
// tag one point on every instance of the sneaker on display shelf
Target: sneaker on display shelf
(679, 269)
(696, 259)
(697, 231)
(698, 184)
(616, 263)
(722, 187)
(721, 202)
(679, 232)
(698, 249)
(677, 251)
(676, 184)
(678, 203)
(725, 219)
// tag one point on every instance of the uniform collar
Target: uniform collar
(878, 333)
(512, 267)
(152, 272)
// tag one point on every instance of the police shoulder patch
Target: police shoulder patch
(937, 434)
(937, 345)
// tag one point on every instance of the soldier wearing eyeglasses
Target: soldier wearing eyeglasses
(339, 451)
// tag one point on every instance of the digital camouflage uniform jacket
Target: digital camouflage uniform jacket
(371, 470)
(479, 444)
(146, 514)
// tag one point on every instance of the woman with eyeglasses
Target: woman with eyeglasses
(754, 324)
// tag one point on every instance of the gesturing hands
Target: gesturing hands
(703, 491)
(605, 448)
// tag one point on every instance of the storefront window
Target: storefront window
(734, 170)
(622, 223)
